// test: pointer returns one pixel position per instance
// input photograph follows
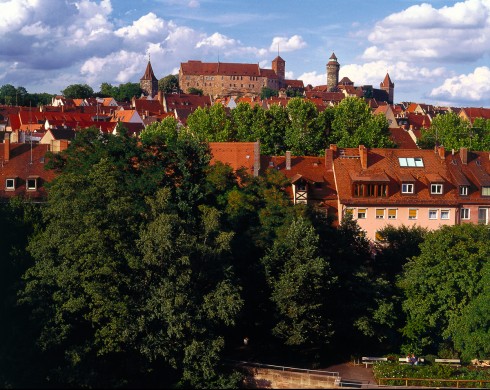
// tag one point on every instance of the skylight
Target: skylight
(411, 161)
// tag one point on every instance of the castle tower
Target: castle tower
(389, 87)
(333, 68)
(279, 68)
(149, 83)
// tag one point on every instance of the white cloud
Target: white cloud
(313, 78)
(473, 86)
(216, 40)
(146, 26)
(283, 44)
(422, 32)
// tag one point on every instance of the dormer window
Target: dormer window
(407, 188)
(436, 189)
(463, 190)
(31, 183)
(10, 184)
(485, 191)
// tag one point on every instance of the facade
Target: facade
(411, 187)
(220, 79)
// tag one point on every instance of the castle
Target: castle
(222, 79)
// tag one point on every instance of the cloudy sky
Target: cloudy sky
(436, 52)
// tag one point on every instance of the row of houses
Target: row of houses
(427, 188)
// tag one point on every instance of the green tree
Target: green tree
(266, 93)
(169, 83)
(78, 91)
(211, 124)
(195, 91)
(272, 141)
(107, 90)
(243, 119)
(300, 280)
(355, 125)
(449, 130)
(7, 94)
(160, 132)
(303, 136)
(442, 283)
(127, 91)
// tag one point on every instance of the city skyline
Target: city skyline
(435, 52)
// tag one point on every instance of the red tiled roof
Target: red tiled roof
(236, 154)
(19, 166)
(402, 139)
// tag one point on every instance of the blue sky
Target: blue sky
(436, 52)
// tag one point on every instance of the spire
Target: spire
(149, 75)
(333, 57)
(387, 81)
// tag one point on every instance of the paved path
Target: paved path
(355, 374)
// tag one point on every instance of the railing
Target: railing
(458, 383)
(286, 369)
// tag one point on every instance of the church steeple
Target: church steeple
(149, 83)
(388, 86)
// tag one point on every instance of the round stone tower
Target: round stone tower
(333, 68)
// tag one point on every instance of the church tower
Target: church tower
(333, 68)
(279, 68)
(389, 87)
(149, 83)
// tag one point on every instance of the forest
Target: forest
(147, 267)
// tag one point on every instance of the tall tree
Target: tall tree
(300, 280)
(211, 124)
(449, 130)
(303, 136)
(441, 285)
(78, 91)
(169, 84)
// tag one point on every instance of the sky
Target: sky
(436, 52)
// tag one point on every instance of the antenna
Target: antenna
(278, 49)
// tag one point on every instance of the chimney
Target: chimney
(328, 159)
(288, 160)
(442, 152)
(463, 154)
(363, 155)
(256, 158)
(6, 142)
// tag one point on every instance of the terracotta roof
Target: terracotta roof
(448, 170)
(401, 138)
(236, 154)
(220, 68)
(387, 81)
(20, 168)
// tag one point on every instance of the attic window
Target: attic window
(31, 184)
(9, 184)
(411, 162)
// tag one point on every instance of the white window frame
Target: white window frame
(380, 216)
(463, 190)
(407, 188)
(9, 187)
(433, 213)
(483, 215)
(465, 213)
(31, 188)
(436, 188)
(485, 191)
(361, 213)
(392, 216)
(416, 214)
(445, 214)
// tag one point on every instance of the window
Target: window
(412, 214)
(349, 211)
(485, 191)
(10, 184)
(370, 190)
(465, 213)
(31, 184)
(483, 215)
(380, 213)
(361, 213)
(432, 214)
(407, 188)
(436, 189)
(463, 190)
(391, 213)
(411, 161)
(444, 214)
